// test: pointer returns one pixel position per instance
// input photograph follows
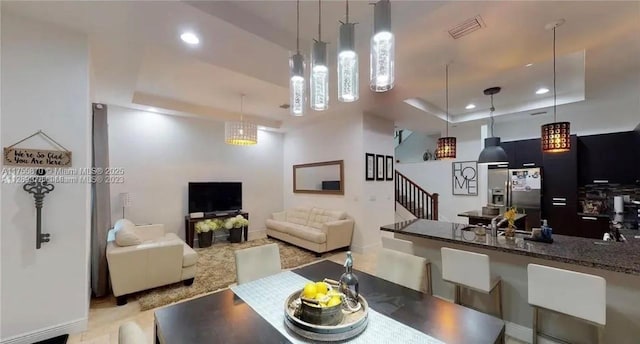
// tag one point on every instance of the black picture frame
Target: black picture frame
(369, 166)
(388, 167)
(380, 167)
(464, 178)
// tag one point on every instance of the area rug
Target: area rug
(216, 269)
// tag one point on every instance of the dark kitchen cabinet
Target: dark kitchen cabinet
(592, 226)
(609, 158)
(560, 190)
(523, 153)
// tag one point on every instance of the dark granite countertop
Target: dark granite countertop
(479, 215)
(613, 256)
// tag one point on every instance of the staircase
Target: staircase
(415, 199)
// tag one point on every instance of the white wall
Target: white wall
(413, 148)
(161, 154)
(45, 85)
(379, 199)
(337, 138)
(346, 138)
(436, 176)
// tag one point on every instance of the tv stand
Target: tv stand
(189, 223)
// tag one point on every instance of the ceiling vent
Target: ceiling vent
(285, 106)
(466, 27)
(539, 113)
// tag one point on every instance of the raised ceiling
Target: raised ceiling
(139, 61)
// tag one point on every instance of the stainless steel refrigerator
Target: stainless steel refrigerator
(520, 188)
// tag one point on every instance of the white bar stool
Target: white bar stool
(470, 270)
(587, 300)
(398, 263)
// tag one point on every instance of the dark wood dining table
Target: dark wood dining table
(223, 317)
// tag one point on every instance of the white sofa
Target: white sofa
(316, 229)
(145, 257)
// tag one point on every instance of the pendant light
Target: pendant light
(348, 90)
(319, 81)
(296, 67)
(492, 154)
(556, 136)
(381, 76)
(446, 148)
(241, 133)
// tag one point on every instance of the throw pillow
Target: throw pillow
(127, 237)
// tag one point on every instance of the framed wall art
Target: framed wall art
(465, 178)
(389, 171)
(380, 167)
(369, 166)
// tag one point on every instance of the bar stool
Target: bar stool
(586, 301)
(398, 264)
(470, 270)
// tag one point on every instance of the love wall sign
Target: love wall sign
(36, 157)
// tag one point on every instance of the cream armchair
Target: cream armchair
(145, 257)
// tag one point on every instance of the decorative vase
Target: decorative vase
(235, 235)
(510, 232)
(205, 239)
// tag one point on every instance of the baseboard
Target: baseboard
(49, 332)
(518, 332)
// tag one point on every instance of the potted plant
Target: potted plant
(235, 226)
(205, 232)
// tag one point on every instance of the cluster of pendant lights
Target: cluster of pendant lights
(555, 137)
(381, 69)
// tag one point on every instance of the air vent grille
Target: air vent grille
(285, 106)
(466, 27)
(539, 113)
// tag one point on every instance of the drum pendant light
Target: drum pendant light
(241, 133)
(446, 148)
(347, 62)
(556, 136)
(492, 154)
(319, 83)
(297, 85)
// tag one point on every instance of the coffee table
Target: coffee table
(225, 318)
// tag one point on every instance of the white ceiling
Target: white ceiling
(139, 61)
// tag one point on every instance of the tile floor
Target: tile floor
(105, 316)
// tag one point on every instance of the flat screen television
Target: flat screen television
(215, 196)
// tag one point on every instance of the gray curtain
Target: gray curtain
(100, 204)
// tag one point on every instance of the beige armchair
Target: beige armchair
(145, 257)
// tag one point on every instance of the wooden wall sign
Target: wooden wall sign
(37, 157)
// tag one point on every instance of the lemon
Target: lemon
(320, 296)
(335, 300)
(333, 292)
(321, 287)
(310, 290)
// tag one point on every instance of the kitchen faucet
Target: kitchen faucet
(495, 225)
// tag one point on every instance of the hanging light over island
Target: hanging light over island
(382, 48)
(348, 88)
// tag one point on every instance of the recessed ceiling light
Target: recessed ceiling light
(542, 90)
(528, 65)
(190, 38)
(470, 106)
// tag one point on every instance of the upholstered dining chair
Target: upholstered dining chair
(397, 265)
(257, 262)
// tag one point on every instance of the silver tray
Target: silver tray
(352, 323)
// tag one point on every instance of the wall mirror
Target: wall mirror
(319, 178)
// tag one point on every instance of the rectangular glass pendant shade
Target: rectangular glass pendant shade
(382, 55)
(347, 65)
(319, 83)
(241, 133)
(297, 85)
(556, 137)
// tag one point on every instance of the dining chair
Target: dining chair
(257, 262)
(131, 333)
(399, 266)
(472, 271)
(586, 301)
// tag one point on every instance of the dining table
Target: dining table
(225, 317)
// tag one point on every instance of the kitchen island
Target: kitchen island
(618, 263)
